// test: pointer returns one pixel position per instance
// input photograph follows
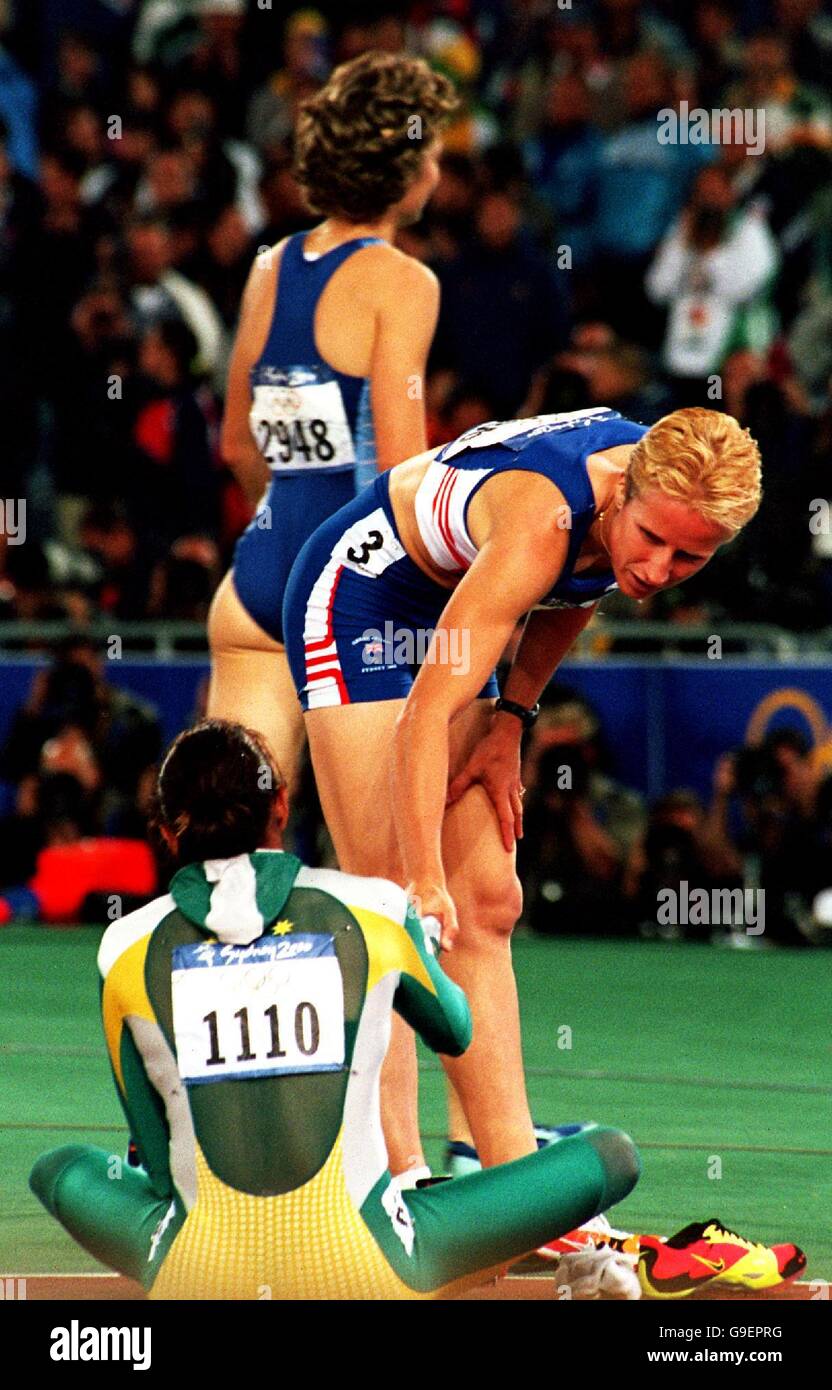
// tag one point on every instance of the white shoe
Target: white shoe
(593, 1274)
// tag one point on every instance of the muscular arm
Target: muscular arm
(237, 444)
(505, 580)
(547, 637)
(495, 762)
(124, 1011)
(405, 328)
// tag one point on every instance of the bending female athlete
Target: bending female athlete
(246, 1014)
(539, 517)
(325, 379)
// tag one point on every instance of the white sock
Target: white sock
(409, 1178)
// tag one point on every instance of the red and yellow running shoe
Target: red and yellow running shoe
(706, 1252)
(596, 1234)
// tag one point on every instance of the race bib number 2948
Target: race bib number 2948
(300, 424)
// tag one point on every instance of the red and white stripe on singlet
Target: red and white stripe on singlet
(440, 514)
(325, 683)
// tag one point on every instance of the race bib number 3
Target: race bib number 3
(369, 546)
(270, 1009)
(299, 422)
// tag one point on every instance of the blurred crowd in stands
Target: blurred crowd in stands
(584, 257)
(146, 156)
(749, 865)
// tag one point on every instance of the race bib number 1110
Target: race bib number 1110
(270, 1009)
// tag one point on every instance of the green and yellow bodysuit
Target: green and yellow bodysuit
(247, 1015)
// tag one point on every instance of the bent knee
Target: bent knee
(492, 906)
(49, 1170)
(621, 1161)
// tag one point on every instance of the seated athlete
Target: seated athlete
(247, 1014)
(541, 517)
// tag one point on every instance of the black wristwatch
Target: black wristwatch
(527, 717)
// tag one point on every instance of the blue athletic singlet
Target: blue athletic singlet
(556, 446)
(313, 426)
(358, 608)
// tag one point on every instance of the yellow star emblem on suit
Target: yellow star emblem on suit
(282, 928)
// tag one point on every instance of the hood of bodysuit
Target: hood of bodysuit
(236, 899)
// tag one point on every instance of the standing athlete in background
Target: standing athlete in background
(325, 379)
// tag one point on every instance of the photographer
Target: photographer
(580, 825)
(712, 270)
(676, 855)
(779, 847)
(76, 723)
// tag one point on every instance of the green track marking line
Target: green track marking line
(33, 1050)
(63, 1128)
(598, 1074)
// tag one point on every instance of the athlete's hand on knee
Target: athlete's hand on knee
(495, 765)
(434, 900)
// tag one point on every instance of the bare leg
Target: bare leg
(250, 680)
(350, 749)
(488, 1078)
(458, 1126)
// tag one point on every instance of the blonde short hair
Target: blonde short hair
(704, 459)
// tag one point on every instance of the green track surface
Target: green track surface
(708, 1058)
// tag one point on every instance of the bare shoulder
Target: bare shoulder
(263, 274)
(517, 503)
(257, 305)
(394, 274)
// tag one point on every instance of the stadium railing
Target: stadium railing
(167, 639)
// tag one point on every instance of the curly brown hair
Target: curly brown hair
(360, 140)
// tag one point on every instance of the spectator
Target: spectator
(780, 844)
(172, 488)
(75, 722)
(793, 110)
(123, 577)
(502, 314)
(580, 825)
(641, 186)
(713, 269)
(273, 108)
(676, 858)
(183, 583)
(158, 291)
(562, 161)
(568, 723)
(282, 198)
(18, 105)
(90, 399)
(598, 369)
(569, 866)
(227, 170)
(718, 50)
